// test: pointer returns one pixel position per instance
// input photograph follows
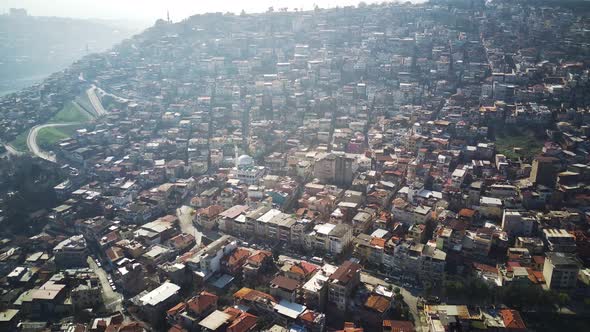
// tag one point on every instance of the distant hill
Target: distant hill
(34, 47)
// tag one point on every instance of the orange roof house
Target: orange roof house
(512, 319)
(202, 303)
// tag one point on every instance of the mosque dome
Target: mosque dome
(244, 161)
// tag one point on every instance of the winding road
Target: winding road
(10, 150)
(34, 132)
(32, 139)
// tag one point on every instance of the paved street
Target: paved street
(95, 101)
(410, 299)
(185, 218)
(11, 150)
(373, 279)
(113, 301)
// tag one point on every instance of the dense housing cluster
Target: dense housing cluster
(395, 167)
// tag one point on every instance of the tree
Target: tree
(428, 289)
(276, 251)
(453, 288)
(563, 299)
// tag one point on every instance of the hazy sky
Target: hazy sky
(154, 9)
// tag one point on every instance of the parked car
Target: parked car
(317, 260)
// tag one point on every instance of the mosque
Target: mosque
(246, 170)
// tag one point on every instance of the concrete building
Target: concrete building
(156, 302)
(207, 261)
(329, 238)
(422, 262)
(342, 282)
(71, 252)
(518, 223)
(334, 168)
(561, 270)
(544, 171)
(559, 240)
(87, 295)
(315, 290)
(246, 171)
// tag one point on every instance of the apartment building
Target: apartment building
(342, 282)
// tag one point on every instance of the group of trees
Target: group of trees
(522, 296)
(401, 310)
(26, 186)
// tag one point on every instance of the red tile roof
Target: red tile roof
(181, 240)
(245, 322)
(176, 309)
(512, 319)
(308, 267)
(468, 213)
(177, 328)
(379, 242)
(249, 294)
(350, 327)
(202, 302)
(378, 303)
(485, 268)
(303, 268)
(259, 257)
(114, 253)
(345, 272)
(210, 211)
(238, 256)
(308, 316)
(285, 283)
(398, 326)
(233, 312)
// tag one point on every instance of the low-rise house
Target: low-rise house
(232, 263)
(284, 288)
(208, 217)
(300, 271)
(188, 314)
(256, 264)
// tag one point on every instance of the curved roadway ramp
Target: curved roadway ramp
(32, 137)
(10, 150)
(95, 101)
